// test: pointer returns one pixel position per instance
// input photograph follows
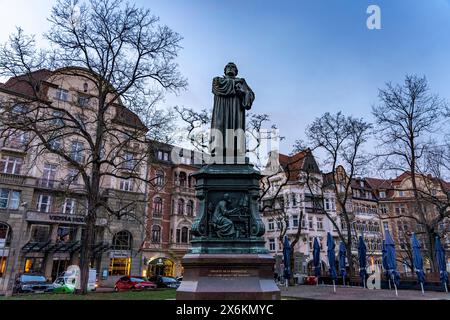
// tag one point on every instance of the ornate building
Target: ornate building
(293, 197)
(171, 209)
(43, 199)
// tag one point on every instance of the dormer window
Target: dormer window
(62, 95)
(382, 194)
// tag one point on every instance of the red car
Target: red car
(133, 283)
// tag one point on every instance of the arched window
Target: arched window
(182, 179)
(180, 206)
(159, 178)
(156, 234)
(184, 235)
(122, 240)
(5, 235)
(157, 206)
(190, 208)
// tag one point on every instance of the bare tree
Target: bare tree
(126, 58)
(341, 139)
(407, 117)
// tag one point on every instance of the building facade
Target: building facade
(171, 209)
(43, 204)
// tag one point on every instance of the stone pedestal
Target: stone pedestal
(228, 259)
(228, 277)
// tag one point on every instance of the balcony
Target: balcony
(58, 184)
(10, 178)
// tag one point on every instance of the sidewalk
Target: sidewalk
(325, 292)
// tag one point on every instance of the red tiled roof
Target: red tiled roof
(23, 84)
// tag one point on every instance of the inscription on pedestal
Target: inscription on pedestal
(228, 273)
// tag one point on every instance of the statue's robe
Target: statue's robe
(230, 105)
(223, 226)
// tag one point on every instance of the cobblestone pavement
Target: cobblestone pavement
(325, 292)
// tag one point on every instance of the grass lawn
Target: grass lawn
(159, 294)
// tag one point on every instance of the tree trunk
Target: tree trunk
(85, 256)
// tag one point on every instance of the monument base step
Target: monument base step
(228, 277)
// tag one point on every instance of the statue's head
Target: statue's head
(226, 197)
(231, 70)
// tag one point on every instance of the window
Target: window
(157, 206)
(57, 118)
(5, 235)
(327, 204)
(39, 233)
(19, 109)
(55, 143)
(76, 151)
(62, 95)
(66, 234)
(271, 225)
(73, 176)
(11, 164)
(33, 265)
(159, 178)
(178, 236)
(310, 223)
(400, 209)
(401, 193)
(383, 208)
(311, 243)
(190, 208)
(82, 101)
(156, 234)
(48, 175)
(320, 224)
(122, 241)
(44, 203)
(69, 206)
(163, 155)
(119, 266)
(180, 206)
(295, 220)
(385, 225)
(126, 185)
(182, 179)
(272, 244)
(129, 162)
(9, 199)
(382, 194)
(294, 200)
(184, 235)
(303, 222)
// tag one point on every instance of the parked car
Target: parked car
(134, 283)
(165, 282)
(32, 283)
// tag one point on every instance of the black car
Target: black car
(32, 283)
(165, 282)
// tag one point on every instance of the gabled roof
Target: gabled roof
(24, 85)
(292, 165)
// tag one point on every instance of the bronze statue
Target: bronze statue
(232, 98)
(221, 224)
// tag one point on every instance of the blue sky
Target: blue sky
(302, 58)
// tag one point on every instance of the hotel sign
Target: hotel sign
(60, 218)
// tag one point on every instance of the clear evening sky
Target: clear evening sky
(301, 58)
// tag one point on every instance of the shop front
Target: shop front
(160, 266)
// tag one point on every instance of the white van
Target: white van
(66, 282)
